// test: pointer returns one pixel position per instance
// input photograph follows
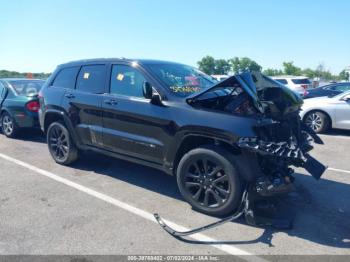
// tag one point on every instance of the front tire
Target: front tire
(9, 126)
(209, 182)
(317, 121)
(61, 146)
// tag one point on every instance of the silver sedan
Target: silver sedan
(322, 113)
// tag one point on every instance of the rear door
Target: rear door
(83, 104)
(132, 125)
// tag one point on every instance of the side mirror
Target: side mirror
(148, 93)
(156, 99)
(147, 90)
(346, 98)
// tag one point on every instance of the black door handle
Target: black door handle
(111, 102)
(69, 96)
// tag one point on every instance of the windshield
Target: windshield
(182, 80)
(26, 87)
(340, 88)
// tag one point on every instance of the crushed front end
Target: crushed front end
(281, 142)
(279, 146)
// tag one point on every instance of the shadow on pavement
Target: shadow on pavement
(33, 135)
(337, 132)
(141, 176)
(322, 207)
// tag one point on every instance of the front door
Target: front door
(342, 113)
(133, 126)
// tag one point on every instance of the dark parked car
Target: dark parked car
(217, 138)
(328, 90)
(19, 104)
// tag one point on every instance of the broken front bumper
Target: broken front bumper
(288, 152)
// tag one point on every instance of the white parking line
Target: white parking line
(229, 249)
(338, 170)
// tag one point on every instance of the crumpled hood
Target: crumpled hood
(255, 84)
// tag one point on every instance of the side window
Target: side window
(66, 78)
(92, 79)
(342, 88)
(126, 80)
(282, 81)
(330, 88)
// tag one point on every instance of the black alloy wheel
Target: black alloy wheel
(208, 180)
(60, 145)
(207, 183)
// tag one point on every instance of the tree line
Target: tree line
(15, 74)
(212, 66)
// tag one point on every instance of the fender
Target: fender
(67, 122)
(180, 138)
(245, 162)
(4, 109)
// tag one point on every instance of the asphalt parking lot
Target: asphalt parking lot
(101, 205)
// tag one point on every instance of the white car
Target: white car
(220, 77)
(322, 113)
(298, 84)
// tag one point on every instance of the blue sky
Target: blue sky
(36, 35)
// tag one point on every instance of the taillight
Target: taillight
(33, 106)
(305, 86)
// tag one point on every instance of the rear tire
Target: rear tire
(318, 121)
(9, 126)
(209, 181)
(61, 146)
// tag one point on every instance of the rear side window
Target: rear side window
(304, 81)
(282, 81)
(126, 80)
(66, 78)
(92, 79)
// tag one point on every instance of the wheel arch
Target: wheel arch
(192, 141)
(6, 110)
(56, 115)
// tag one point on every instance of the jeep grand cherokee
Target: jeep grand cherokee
(214, 137)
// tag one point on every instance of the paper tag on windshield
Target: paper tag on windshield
(120, 77)
(86, 75)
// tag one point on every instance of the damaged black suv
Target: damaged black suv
(216, 138)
